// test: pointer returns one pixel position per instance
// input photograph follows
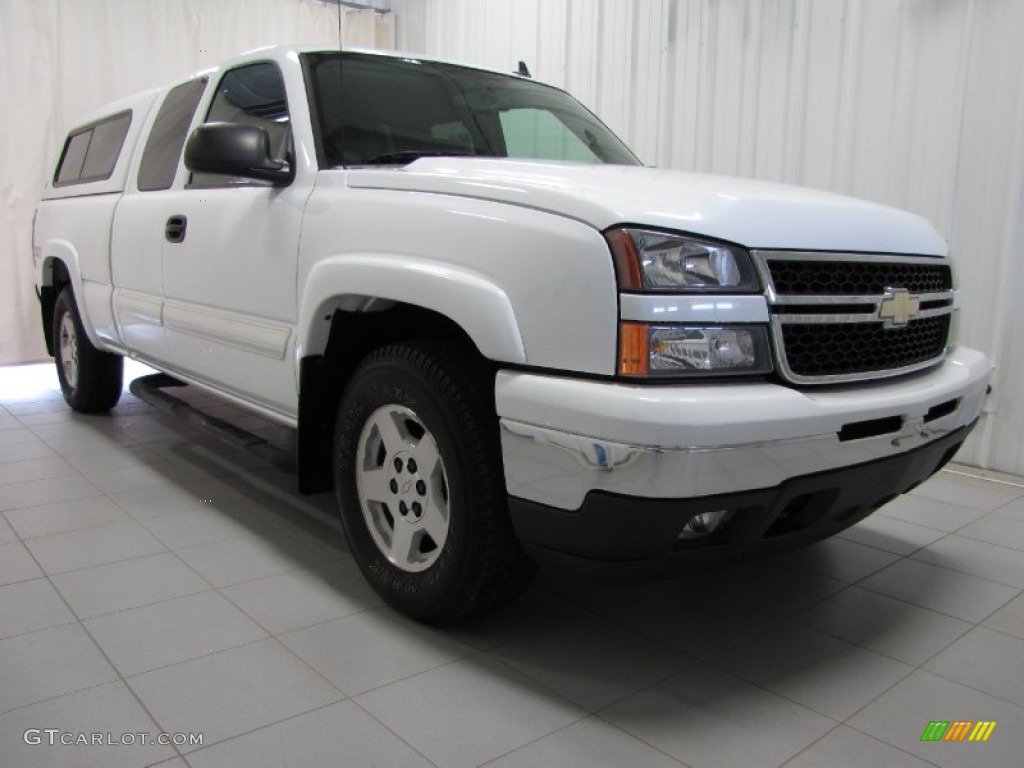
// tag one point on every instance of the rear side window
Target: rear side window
(91, 153)
(166, 139)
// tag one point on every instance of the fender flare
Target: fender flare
(63, 251)
(474, 302)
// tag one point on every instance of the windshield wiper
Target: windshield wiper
(409, 155)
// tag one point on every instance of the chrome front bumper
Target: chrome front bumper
(563, 438)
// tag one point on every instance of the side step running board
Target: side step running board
(151, 389)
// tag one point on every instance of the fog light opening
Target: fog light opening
(704, 524)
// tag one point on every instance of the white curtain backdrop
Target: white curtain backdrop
(62, 58)
(912, 103)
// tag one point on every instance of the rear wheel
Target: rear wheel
(90, 379)
(420, 485)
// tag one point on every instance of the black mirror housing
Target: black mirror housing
(235, 149)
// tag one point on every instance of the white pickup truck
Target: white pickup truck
(499, 337)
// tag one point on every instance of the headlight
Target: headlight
(657, 261)
(675, 350)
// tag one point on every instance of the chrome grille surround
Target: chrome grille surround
(817, 294)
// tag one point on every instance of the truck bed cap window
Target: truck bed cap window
(91, 153)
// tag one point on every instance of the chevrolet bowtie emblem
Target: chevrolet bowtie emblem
(898, 307)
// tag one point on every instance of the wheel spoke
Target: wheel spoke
(435, 524)
(402, 541)
(374, 484)
(394, 441)
(426, 455)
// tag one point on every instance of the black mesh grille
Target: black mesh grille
(838, 349)
(856, 278)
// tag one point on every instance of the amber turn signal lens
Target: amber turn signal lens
(627, 260)
(634, 356)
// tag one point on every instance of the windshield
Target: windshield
(376, 110)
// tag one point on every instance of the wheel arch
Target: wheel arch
(385, 300)
(362, 283)
(53, 276)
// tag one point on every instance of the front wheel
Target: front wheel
(420, 485)
(90, 379)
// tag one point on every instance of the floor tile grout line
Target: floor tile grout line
(567, 726)
(911, 669)
(159, 601)
(52, 501)
(967, 573)
(994, 480)
(296, 716)
(920, 668)
(655, 747)
(912, 552)
(934, 565)
(1017, 550)
(37, 458)
(871, 736)
(997, 630)
(390, 730)
(73, 620)
(476, 653)
(88, 527)
(318, 623)
(974, 688)
(236, 535)
(99, 565)
(103, 653)
(808, 707)
(860, 585)
(885, 655)
(741, 679)
(818, 740)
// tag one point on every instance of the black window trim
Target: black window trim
(239, 184)
(78, 132)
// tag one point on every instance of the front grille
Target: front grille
(844, 278)
(838, 349)
(823, 335)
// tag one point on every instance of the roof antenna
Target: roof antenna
(523, 70)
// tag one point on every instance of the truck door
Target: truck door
(229, 273)
(139, 229)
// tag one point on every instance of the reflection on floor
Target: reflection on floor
(153, 581)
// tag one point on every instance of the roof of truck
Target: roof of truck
(282, 51)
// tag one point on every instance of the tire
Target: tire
(90, 379)
(420, 485)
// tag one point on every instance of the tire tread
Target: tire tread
(501, 570)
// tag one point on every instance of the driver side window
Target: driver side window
(250, 95)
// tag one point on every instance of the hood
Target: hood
(755, 214)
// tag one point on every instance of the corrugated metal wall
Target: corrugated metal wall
(913, 103)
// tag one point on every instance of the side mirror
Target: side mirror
(235, 149)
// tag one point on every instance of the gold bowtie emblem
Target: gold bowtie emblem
(898, 307)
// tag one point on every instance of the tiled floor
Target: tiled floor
(153, 581)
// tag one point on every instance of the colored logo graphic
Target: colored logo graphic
(958, 730)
